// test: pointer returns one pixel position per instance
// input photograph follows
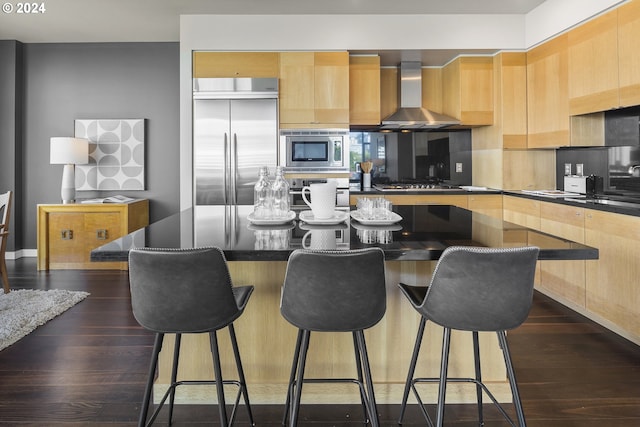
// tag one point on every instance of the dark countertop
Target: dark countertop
(422, 234)
(632, 209)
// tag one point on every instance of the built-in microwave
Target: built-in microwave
(315, 149)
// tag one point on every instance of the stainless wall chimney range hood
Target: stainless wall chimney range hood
(410, 114)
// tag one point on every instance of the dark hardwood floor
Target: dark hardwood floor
(87, 367)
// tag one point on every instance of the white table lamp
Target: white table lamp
(69, 152)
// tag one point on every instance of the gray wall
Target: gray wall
(64, 82)
(11, 88)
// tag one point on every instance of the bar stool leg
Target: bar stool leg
(302, 359)
(243, 382)
(292, 378)
(502, 338)
(222, 407)
(373, 411)
(446, 343)
(412, 367)
(174, 374)
(360, 378)
(144, 411)
(476, 358)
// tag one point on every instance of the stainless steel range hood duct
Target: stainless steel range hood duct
(411, 115)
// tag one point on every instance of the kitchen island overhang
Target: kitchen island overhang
(426, 231)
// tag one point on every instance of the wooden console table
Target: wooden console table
(68, 232)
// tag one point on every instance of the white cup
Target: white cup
(323, 199)
(320, 239)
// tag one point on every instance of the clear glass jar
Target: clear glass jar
(262, 196)
(281, 198)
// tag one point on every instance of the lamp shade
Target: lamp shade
(67, 150)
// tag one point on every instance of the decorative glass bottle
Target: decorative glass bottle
(262, 196)
(280, 189)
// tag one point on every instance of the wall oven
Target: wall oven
(315, 150)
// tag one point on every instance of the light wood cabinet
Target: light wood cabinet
(521, 211)
(388, 91)
(68, 233)
(612, 280)
(563, 280)
(418, 199)
(468, 90)
(628, 53)
(547, 94)
(593, 65)
(364, 90)
(487, 204)
(511, 106)
(235, 64)
(314, 89)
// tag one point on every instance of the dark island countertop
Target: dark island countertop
(422, 234)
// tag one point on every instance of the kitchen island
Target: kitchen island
(257, 255)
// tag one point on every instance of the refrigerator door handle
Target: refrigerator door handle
(234, 180)
(227, 169)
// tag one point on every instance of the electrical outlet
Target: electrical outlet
(459, 167)
(567, 168)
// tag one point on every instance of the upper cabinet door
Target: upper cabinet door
(593, 65)
(364, 90)
(628, 53)
(547, 94)
(468, 90)
(314, 89)
(235, 64)
(297, 87)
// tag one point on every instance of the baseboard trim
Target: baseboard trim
(22, 253)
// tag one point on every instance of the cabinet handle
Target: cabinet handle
(66, 234)
(101, 234)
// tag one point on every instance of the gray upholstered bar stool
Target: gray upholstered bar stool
(187, 291)
(333, 291)
(478, 290)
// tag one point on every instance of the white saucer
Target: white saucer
(394, 217)
(337, 218)
(385, 227)
(260, 221)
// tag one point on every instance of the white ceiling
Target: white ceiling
(158, 20)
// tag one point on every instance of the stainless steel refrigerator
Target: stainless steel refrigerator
(235, 132)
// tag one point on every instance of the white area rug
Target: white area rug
(23, 310)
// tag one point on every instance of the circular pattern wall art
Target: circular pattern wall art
(116, 154)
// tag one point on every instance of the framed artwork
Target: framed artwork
(116, 154)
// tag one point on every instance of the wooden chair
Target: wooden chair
(5, 215)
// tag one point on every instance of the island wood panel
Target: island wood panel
(628, 53)
(364, 90)
(548, 94)
(593, 65)
(236, 64)
(267, 342)
(522, 211)
(612, 281)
